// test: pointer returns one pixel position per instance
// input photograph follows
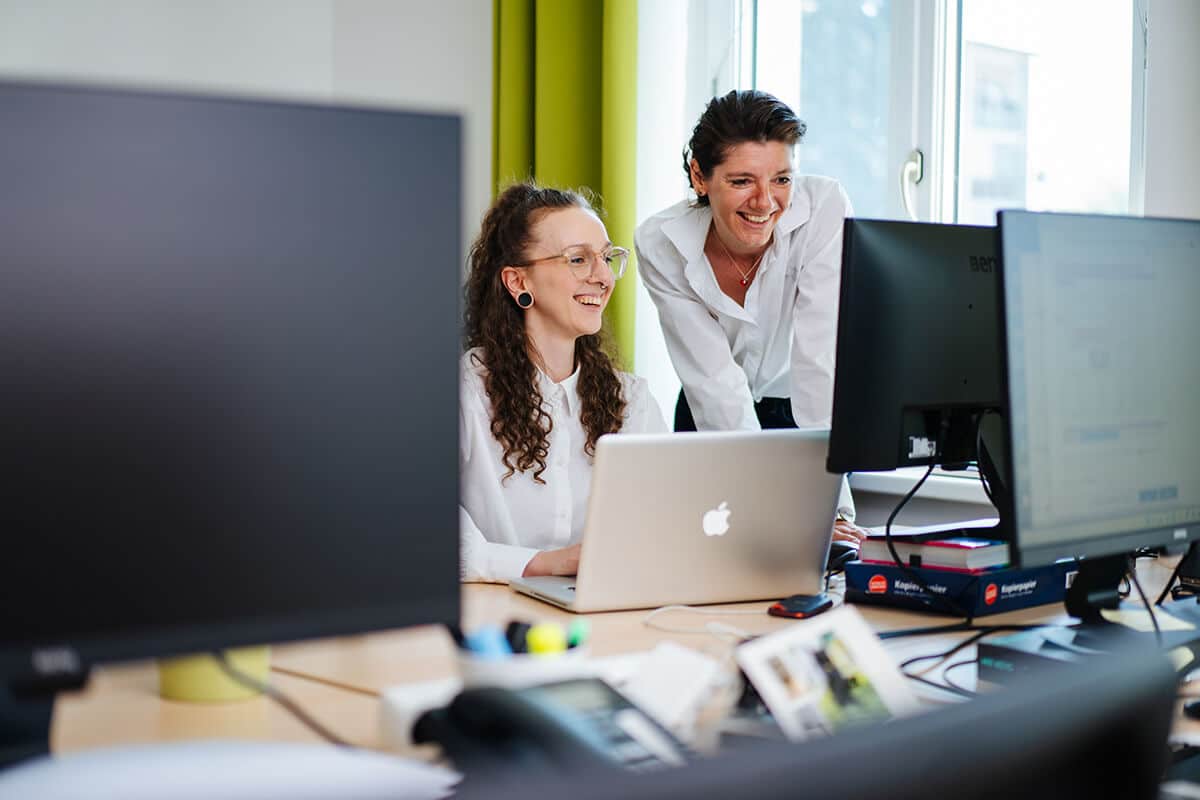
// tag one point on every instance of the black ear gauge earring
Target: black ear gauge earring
(524, 299)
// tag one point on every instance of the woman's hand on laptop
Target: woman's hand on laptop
(554, 562)
(846, 531)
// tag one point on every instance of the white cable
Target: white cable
(718, 629)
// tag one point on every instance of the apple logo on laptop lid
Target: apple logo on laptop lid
(716, 521)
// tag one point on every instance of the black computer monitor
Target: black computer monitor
(1096, 731)
(918, 363)
(229, 340)
(1103, 378)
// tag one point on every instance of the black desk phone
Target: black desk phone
(574, 724)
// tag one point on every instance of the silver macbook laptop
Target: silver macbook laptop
(701, 518)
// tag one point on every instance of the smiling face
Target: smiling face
(748, 192)
(565, 306)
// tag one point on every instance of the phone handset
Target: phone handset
(571, 724)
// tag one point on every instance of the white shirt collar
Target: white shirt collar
(568, 388)
(688, 231)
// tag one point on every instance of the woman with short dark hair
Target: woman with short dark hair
(745, 277)
(538, 387)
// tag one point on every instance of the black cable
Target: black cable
(1145, 601)
(979, 632)
(944, 655)
(952, 684)
(904, 568)
(279, 697)
(943, 686)
(1174, 576)
(953, 627)
(956, 627)
(987, 489)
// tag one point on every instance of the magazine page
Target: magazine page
(825, 674)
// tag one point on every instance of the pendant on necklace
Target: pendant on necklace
(745, 282)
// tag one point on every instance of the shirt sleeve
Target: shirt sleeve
(814, 322)
(481, 560)
(642, 414)
(845, 506)
(715, 385)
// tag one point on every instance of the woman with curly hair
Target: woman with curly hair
(538, 388)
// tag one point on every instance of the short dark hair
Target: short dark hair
(743, 115)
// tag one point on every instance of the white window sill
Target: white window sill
(963, 487)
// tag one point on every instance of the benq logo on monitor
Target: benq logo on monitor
(56, 661)
(983, 263)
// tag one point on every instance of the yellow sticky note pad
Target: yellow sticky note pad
(1139, 620)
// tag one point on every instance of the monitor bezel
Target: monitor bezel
(1028, 555)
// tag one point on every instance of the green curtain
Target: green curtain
(565, 114)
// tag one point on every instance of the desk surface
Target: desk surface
(336, 680)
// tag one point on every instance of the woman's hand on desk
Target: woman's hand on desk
(554, 562)
(846, 531)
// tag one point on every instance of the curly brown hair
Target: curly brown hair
(496, 325)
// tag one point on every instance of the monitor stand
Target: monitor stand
(26, 708)
(1097, 586)
(24, 727)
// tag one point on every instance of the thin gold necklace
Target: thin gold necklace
(747, 273)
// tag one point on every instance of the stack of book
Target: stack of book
(932, 548)
(970, 571)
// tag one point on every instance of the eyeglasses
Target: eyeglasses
(580, 258)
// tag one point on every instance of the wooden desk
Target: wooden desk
(336, 679)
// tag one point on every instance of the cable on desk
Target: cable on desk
(1145, 601)
(953, 627)
(1174, 576)
(904, 568)
(946, 679)
(945, 687)
(346, 687)
(979, 633)
(718, 629)
(279, 697)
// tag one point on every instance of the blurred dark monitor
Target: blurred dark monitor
(1099, 730)
(918, 361)
(1100, 337)
(229, 341)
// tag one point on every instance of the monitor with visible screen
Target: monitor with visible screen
(229, 339)
(918, 365)
(1103, 382)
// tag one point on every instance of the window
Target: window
(831, 62)
(1012, 103)
(993, 104)
(1046, 109)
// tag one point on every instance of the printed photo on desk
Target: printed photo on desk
(826, 674)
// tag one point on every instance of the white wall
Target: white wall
(1172, 136)
(662, 132)
(433, 56)
(397, 53)
(686, 49)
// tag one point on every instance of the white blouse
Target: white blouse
(504, 523)
(782, 342)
